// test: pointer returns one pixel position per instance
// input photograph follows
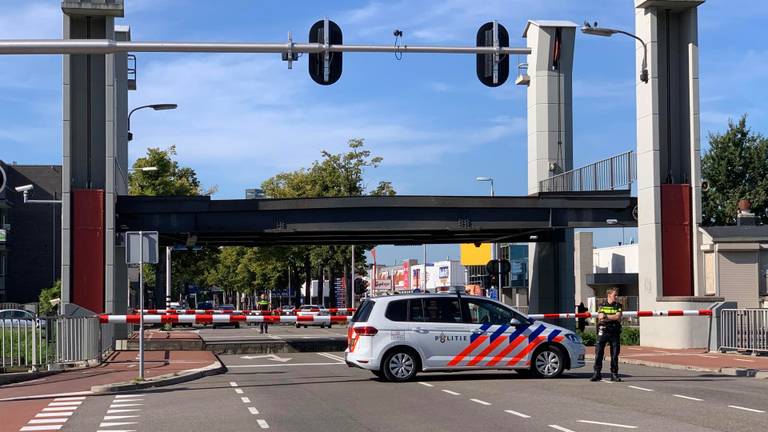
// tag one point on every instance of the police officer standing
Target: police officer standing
(264, 306)
(608, 331)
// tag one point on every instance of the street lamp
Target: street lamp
(593, 29)
(487, 179)
(156, 107)
(143, 169)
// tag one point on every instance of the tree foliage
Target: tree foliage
(45, 306)
(736, 167)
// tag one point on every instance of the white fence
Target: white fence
(48, 342)
(744, 330)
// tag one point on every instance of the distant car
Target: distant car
(226, 308)
(287, 310)
(312, 310)
(19, 318)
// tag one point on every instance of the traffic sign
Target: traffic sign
(325, 67)
(135, 241)
(492, 69)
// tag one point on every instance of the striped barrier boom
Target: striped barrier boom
(348, 311)
(218, 319)
(627, 314)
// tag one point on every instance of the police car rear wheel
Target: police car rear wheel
(400, 366)
(548, 362)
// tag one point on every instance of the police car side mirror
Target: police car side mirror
(515, 322)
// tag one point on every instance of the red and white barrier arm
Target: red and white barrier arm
(628, 314)
(218, 319)
(348, 311)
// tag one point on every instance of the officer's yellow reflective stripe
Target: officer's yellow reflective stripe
(610, 310)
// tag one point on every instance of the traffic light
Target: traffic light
(325, 67)
(492, 69)
(360, 286)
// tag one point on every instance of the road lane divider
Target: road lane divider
(746, 409)
(519, 414)
(687, 397)
(616, 425)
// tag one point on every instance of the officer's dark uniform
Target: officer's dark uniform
(263, 306)
(608, 331)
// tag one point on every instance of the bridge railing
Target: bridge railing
(614, 173)
(744, 330)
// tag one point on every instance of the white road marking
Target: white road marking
(245, 399)
(110, 424)
(451, 392)
(119, 417)
(116, 411)
(42, 427)
(68, 403)
(263, 423)
(426, 384)
(233, 384)
(746, 409)
(74, 398)
(67, 408)
(519, 414)
(239, 391)
(641, 388)
(51, 420)
(112, 430)
(688, 397)
(128, 400)
(332, 356)
(608, 424)
(124, 405)
(128, 396)
(286, 365)
(560, 428)
(45, 396)
(708, 356)
(744, 360)
(54, 414)
(253, 410)
(481, 402)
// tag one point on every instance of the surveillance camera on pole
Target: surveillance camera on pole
(25, 188)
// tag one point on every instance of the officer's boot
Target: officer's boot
(615, 377)
(596, 377)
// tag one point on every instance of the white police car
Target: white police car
(395, 337)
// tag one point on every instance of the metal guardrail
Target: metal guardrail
(744, 330)
(615, 173)
(48, 342)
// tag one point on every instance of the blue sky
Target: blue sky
(243, 118)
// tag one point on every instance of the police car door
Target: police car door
(494, 335)
(441, 332)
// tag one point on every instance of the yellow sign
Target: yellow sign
(474, 255)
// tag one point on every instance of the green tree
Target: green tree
(171, 179)
(45, 306)
(334, 175)
(736, 167)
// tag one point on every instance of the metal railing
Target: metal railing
(615, 173)
(48, 342)
(744, 330)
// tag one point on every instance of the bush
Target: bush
(629, 336)
(45, 307)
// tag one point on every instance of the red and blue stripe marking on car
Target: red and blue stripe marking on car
(529, 337)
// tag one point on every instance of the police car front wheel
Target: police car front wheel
(548, 362)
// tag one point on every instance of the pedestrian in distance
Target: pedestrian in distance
(608, 331)
(264, 306)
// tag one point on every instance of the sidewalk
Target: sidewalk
(21, 401)
(692, 359)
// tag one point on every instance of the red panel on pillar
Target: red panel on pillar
(88, 249)
(676, 242)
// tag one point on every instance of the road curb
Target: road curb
(730, 371)
(17, 377)
(163, 380)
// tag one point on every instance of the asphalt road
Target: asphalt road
(317, 391)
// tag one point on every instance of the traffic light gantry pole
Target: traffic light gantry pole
(108, 46)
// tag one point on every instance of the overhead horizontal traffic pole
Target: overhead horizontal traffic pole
(626, 314)
(108, 46)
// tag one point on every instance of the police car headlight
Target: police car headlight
(573, 338)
